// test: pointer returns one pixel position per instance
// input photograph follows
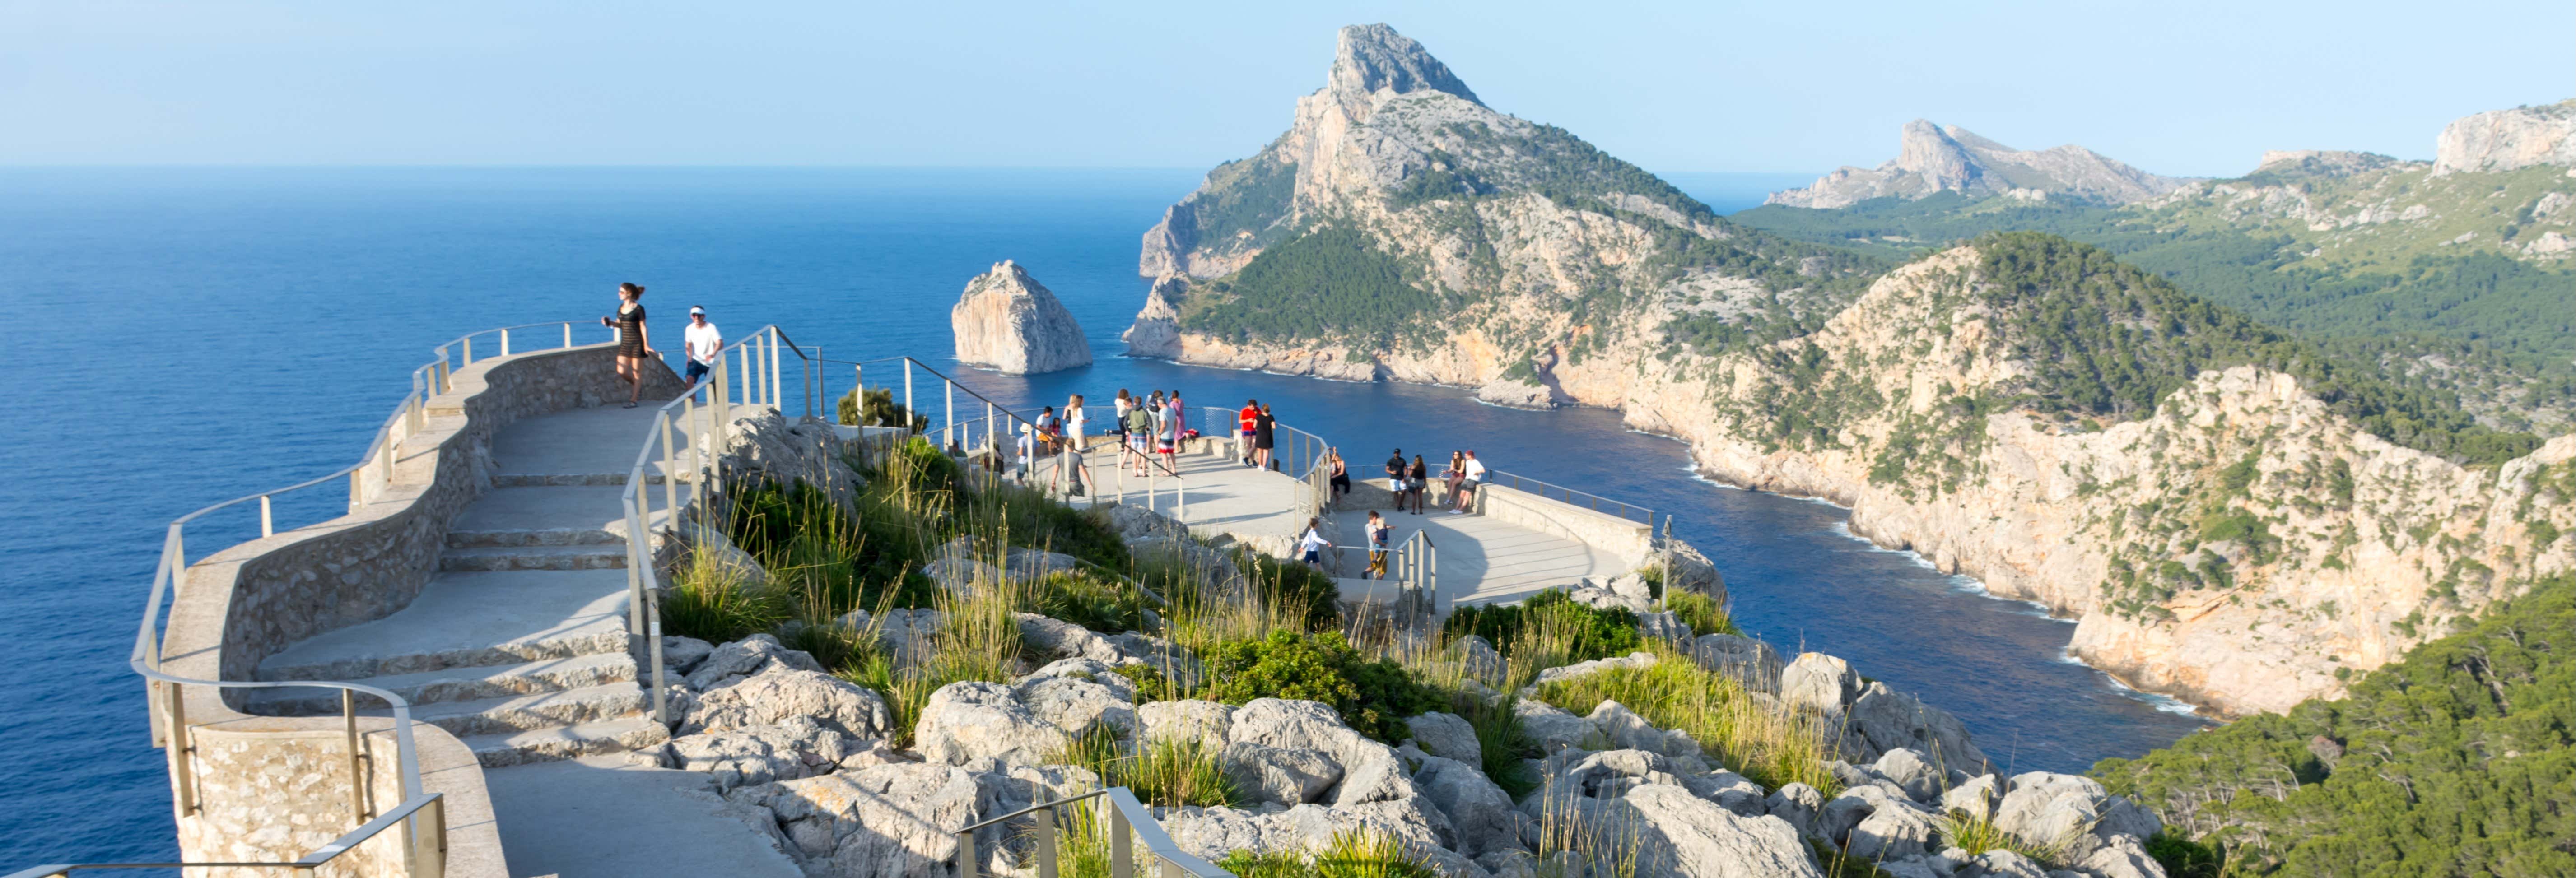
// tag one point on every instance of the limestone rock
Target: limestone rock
(2502, 140)
(779, 693)
(1157, 330)
(1447, 736)
(1751, 662)
(1551, 728)
(965, 722)
(680, 654)
(796, 747)
(1975, 798)
(880, 821)
(1010, 323)
(1932, 158)
(1283, 775)
(1478, 810)
(1515, 393)
(1683, 835)
(1482, 661)
(1595, 666)
(1625, 730)
(1819, 682)
(766, 447)
(1212, 833)
(1797, 804)
(1907, 768)
(743, 659)
(1207, 722)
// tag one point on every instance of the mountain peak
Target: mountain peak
(1373, 56)
(1933, 158)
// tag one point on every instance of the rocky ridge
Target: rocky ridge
(2503, 140)
(1933, 158)
(1008, 322)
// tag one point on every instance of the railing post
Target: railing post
(966, 855)
(182, 753)
(948, 413)
(349, 730)
(505, 342)
(469, 350)
(267, 519)
(777, 400)
(426, 845)
(1122, 851)
(1044, 840)
(670, 473)
(567, 334)
(907, 398)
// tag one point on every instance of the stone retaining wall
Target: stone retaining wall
(274, 788)
(1633, 541)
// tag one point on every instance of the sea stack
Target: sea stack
(1010, 323)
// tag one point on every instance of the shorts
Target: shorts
(1467, 485)
(1314, 556)
(695, 371)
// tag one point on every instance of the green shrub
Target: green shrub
(1027, 517)
(879, 410)
(1164, 773)
(866, 559)
(715, 602)
(1089, 599)
(2184, 858)
(1373, 697)
(930, 470)
(1296, 588)
(1700, 612)
(1349, 855)
(1595, 632)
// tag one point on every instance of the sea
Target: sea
(184, 336)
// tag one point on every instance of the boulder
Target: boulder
(1883, 719)
(1891, 833)
(737, 757)
(1976, 797)
(1908, 770)
(1207, 722)
(960, 575)
(1732, 791)
(1055, 638)
(1479, 811)
(680, 654)
(742, 659)
(964, 722)
(1008, 322)
(880, 821)
(1628, 592)
(1625, 730)
(1999, 863)
(1553, 729)
(909, 637)
(1750, 661)
(1666, 626)
(780, 693)
(2121, 856)
(1482, 661)
(1798, 804)
(1212, 833)
(766, 447)
(1682, 835)
(708, 551)
(1281, 775)
(1595, 666)
(1447, 736)
(1085, 670)
(2049, 809)
(1027, 564)
(1846, 812)
(1820, 683)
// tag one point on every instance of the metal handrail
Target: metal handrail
(1128, 821)
(305, 865)
(165, 698)
(1592, 501)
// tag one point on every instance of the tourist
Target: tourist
(1180, 417)
(1467, 486)
(1311, 546)
(1070, 478)
(1378, 532)
(1265, 430)
(1074, 421)
(632, 345)
(1028, 451)
(1050, 430)
(1243, 429)
(1414, 478)
(700, 342)
(1140, 430)
(1118, 416)
(1395, 476)
(1171, 433)
(1456, 473)
(1341, 474)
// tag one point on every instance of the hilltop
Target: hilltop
(1932, 159)
(2451, 275)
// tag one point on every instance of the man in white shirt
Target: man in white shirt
(702, 341)
(1467, 487)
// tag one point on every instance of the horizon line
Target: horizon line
(102, 166)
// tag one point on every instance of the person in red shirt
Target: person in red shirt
(1243, 429)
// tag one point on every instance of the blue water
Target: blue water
(181, 337)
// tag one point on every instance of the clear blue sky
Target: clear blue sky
(2173, 87)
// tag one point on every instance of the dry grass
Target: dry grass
(1772, 746)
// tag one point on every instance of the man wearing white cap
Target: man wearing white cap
(702, 341)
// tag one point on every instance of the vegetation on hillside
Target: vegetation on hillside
(1331, 282)
(2432, 300)
(2460, 759)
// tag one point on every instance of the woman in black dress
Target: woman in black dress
(1264, 430)
(632, 346)
(1414, 476)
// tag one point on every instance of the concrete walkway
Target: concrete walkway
(1481, 560)
(519, 646)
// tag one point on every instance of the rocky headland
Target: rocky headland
(1934, 158)
(1008, 322)
(2235, 535)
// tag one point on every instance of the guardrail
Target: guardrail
(421, 815)
(1123, 819)
(1571, 497)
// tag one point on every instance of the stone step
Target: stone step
(471, 619)
(610, 556)
(565, 742)
(455, 684)
(538, 710)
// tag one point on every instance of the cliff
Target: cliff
(1932, 158)
(1008, 322)
(2502, 140)
(2222, 507)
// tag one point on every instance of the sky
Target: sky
(2173, 87)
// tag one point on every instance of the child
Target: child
(1378, 531)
